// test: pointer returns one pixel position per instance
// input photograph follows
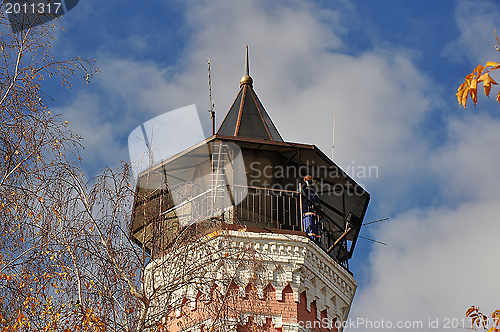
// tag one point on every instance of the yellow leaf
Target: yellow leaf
(460, 95)
(479, 70)
(468, 79)
(473, 91)
(498, 96)
(487, 82)
(463, 101)
(492, 64)
(473, 84)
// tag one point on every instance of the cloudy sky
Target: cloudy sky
(389, 69)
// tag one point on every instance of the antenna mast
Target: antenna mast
(333, 143)
(211, 110)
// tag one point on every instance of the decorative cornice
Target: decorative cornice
(280, 261)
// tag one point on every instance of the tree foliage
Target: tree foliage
(479, 320)
(67, 262)
(36, 150)
(481, 74)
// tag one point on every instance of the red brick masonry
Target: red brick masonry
(232, 307)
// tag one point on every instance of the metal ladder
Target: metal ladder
(218, 177)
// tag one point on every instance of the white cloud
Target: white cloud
(441, 260)
(476, 22)
(438, 262)
(99, 137)
(468, 166)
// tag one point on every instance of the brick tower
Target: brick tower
(248, 232)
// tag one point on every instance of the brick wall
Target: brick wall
(248, 313)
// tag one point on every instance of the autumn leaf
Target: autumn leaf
(479, 69)
(473, 90)
(469, 311)
(478, 75)
(462, 93)
(480, 320)
(487, 82)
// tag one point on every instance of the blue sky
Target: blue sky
(389, 69)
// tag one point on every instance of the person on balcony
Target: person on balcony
(310, 209)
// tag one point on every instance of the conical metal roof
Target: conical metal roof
(247, 117)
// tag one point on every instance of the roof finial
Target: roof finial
(247, 65)
(246, 79)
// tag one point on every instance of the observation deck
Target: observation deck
(247, 175)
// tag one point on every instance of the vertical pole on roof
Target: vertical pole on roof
(333, 143)
(211, 110)
(247, 65)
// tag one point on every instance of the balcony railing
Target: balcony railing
(261, 207)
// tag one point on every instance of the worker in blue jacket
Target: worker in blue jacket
(310, 209)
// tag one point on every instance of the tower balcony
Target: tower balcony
(251, 183)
